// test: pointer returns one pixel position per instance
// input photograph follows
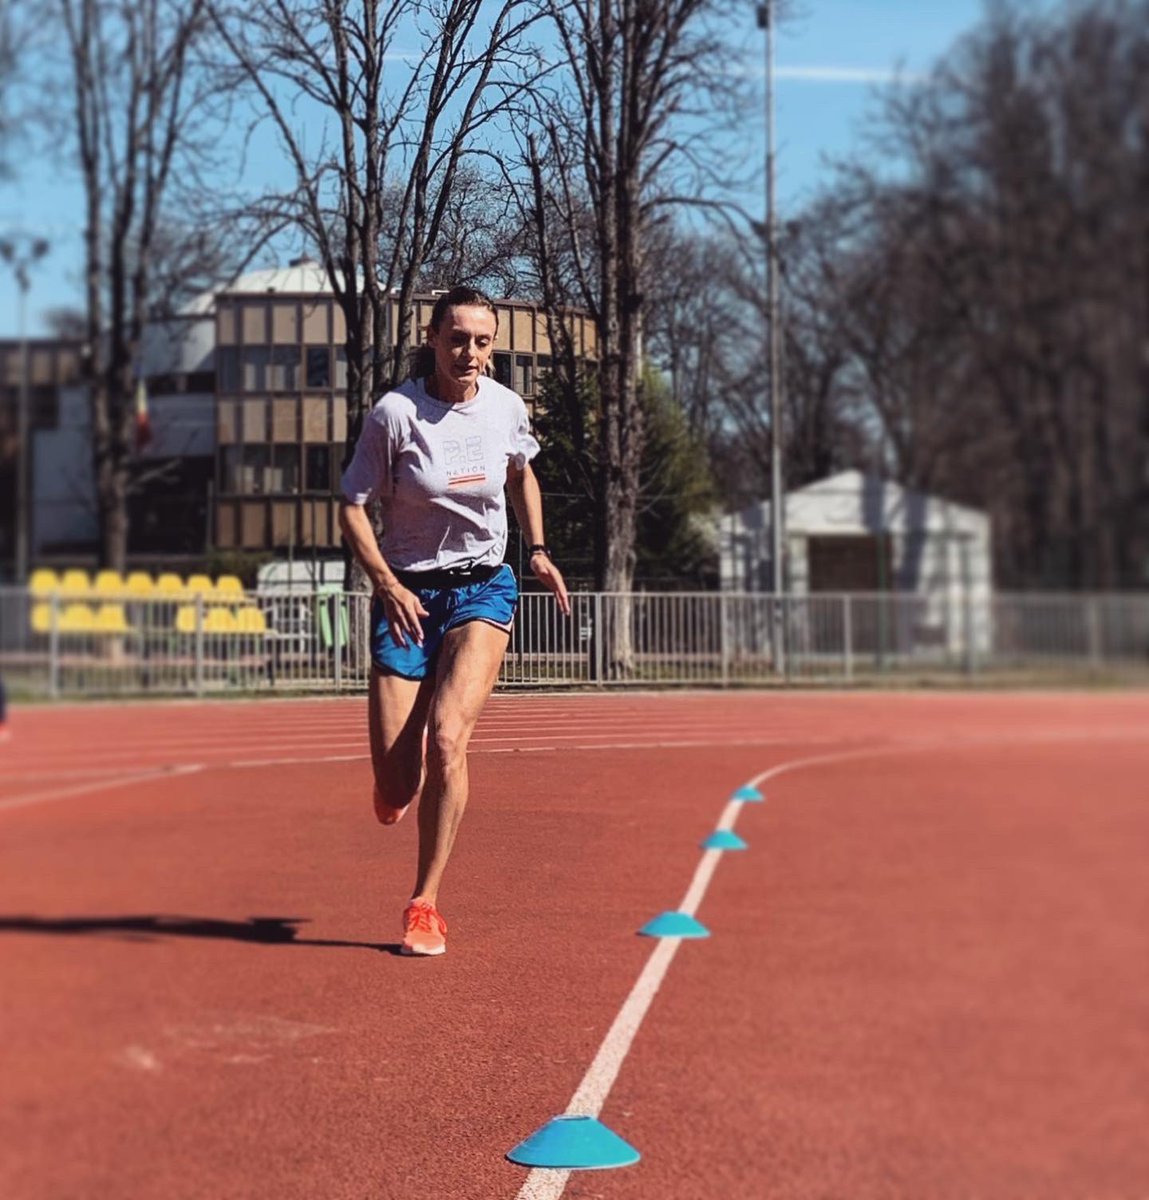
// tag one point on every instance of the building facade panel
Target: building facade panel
(284, 324)
(317, 321)
(285, 420)
(246, 390)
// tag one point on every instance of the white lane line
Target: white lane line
(548, 1184)
(512, 748)
(545, 1183)
(61, 773)
(659, 731)
(162, 770)
(85, 760)
(84, 789)
(703, 744)
(289, 762)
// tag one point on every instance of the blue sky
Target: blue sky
(830, 57)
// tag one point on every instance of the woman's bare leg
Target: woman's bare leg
(468, 667)
(397, 716)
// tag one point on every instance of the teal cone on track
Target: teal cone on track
(748, 795)
(724, 839)
(674, 924)
(574, 1144)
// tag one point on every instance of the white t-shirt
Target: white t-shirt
(438, 471)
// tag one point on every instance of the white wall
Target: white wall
(181, 345)
(940, 551)
(183, 426)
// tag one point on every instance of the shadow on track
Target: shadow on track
(267, 931)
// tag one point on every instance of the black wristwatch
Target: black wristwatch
(537, 548)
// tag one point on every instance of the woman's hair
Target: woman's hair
(423, 359)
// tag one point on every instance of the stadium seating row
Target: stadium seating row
(75, 617)
(76, 584)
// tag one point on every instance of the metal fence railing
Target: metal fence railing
(52, 645)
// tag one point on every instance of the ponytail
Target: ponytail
(421, 362)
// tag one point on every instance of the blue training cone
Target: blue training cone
(724, 839)
(748, 795)
(574, 1144)
(674, 924)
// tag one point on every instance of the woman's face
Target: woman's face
(463, 345)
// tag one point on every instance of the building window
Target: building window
(283, 474)
(44, 406)
(318, 367)
(340, 369)
(318, 469)
(227, 368)
(252, 471)
(230, 459)
(255, 360)
(524, 374)
(198, 381)
(283, 369)
(503, 369)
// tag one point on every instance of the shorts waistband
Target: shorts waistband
(448, 577)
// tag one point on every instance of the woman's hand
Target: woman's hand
(403, 610)
(552, 579)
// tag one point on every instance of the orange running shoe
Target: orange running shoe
(424, 930)
(385, 814)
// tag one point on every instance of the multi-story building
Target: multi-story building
(52, 364)
(246, 399)
(281, 418)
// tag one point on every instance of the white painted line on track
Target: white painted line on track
(292, 762)
(582, 739)
(545, 1183)
(83, 789)
(60, 773)
(704, 744)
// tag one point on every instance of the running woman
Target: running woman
(440, 453)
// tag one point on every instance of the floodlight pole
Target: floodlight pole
(774, 355)
(20, 262)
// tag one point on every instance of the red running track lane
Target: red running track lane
(927, 975)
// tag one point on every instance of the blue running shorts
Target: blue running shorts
(493, 600)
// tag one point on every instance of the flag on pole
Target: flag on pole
(143, 420)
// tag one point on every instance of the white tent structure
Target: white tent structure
(859, 535)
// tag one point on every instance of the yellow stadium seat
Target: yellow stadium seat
(109, 583)
(228, 585)
(78, 618)
(140, 583)
(200, 585)
(75, 582)
(169, 584)
(42, 618)
(111, 619)
(250, 620)
(185, 618)
(219, 620)
(43, 581)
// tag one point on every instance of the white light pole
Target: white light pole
(766, 11)
(20, 257)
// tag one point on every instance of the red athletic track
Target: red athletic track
(927, 976)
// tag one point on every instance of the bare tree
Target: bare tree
(375, 198)
(482, 240)
(993, 300)
(141, 126)
(611, 150)
(707, 332)
(13, 36)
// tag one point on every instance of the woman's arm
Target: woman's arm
(401, 606)
(527, 501)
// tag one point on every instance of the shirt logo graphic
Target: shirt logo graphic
(464, 461)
